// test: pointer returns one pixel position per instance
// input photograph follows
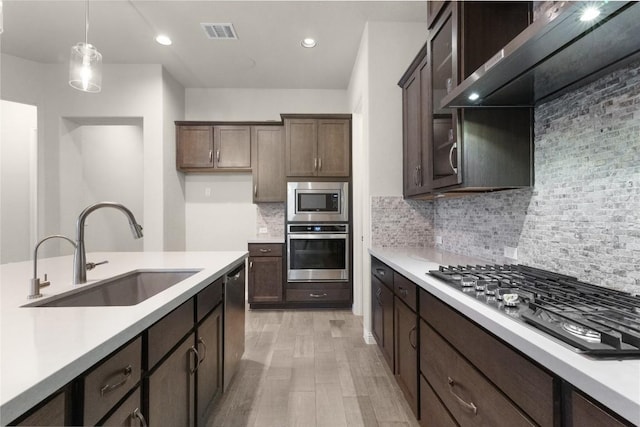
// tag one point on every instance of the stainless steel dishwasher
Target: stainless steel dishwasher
(234, 314)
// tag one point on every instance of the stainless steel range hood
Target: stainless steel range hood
(554, 55)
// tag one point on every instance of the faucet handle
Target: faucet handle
(92, 265)
(46, 281)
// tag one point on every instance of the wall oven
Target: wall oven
(317, 252)
(318, 201)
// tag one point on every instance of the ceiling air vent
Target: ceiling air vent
(220, 31)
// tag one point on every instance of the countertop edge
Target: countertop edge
(546, 351)
(23, 401)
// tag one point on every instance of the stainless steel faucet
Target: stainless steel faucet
(35, 284)
(80, 256)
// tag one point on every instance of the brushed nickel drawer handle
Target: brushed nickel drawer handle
(137, 414)
(204, 353)
(195, 352)
(210, 156)
(107, 388)
(411, 332)
(467, 405)
(318, 295)
(320, 163)
(265, 251)
(380, 271)
(218, 156)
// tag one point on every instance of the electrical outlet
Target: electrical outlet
(510, 252)
(263, 230)
(438, 240)
(207, 192)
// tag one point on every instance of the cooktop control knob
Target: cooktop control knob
(510, 300)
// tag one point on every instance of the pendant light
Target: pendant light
(85, 66)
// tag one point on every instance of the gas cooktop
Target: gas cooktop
(594, 320)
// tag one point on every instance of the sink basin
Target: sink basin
(128, 289)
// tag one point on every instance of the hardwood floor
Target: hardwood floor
(310, 368)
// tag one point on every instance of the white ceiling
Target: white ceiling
(267, 55)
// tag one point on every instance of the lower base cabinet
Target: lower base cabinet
(209, 372)
(51, 413)
(171, 388)
(586, 413)
(406, 348)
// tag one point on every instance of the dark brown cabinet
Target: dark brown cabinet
(406, 352)
(267, 163)
(454, 150)
(53, 412)
(265, 273)
(317, 146)
(209, 369)
(382, 318)
(584, 412)
(203, 148)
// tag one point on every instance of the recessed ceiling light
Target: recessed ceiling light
(589, 14)
(308, 42)
(164, 40)
(474, 97)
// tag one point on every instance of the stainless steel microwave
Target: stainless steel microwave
(318, 201)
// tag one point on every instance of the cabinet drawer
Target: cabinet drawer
(318, 295)
(586, 413)
(52, 413)
(526, 384)
(128, 414)
(265, 249)
(106, 384)
(382, 272)
(406, 290)
(208, 298)
(168, 331)
(432, 411)
(471, 399)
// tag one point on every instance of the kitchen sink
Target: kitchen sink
(127, 289)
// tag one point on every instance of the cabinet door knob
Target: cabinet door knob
(467, 405)
(108, 388)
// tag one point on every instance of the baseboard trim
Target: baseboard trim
(369, 338)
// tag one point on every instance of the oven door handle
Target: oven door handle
(293, 236)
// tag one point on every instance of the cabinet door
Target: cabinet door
(301, 147)
(194, 147)
(52, 413)
(171, 388)
(442, 133)
(265, 279)
(334, 147)
(406, 352)
(382, 318)
(209, 371)
(267, 163)
(412, 135)
(232, 147)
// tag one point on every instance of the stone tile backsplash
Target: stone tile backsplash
(396, 222)
(271, 217)
(583, 216)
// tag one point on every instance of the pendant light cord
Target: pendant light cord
(86, 23)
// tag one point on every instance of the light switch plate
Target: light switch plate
(438, 240)
(262, 230)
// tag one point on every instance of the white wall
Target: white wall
(129, 91)
(219, 210)
(18, 136)
(101, 163)
(174, 191)
(260, 104)
(386, 50)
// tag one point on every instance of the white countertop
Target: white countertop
(614, 383)
(42, 349)
(267, 239)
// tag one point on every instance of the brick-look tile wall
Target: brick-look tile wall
(583, 216)
(271, 216)
(401, 223)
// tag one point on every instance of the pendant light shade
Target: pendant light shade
(85, 68)
(85, 65)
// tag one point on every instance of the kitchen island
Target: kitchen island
(44, 348)
(613, 383)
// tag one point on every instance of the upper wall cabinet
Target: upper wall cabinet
(450, 150)
(268, 163)
(317, 145)
(202, 148)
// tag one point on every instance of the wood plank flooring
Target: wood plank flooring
(310, 368)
